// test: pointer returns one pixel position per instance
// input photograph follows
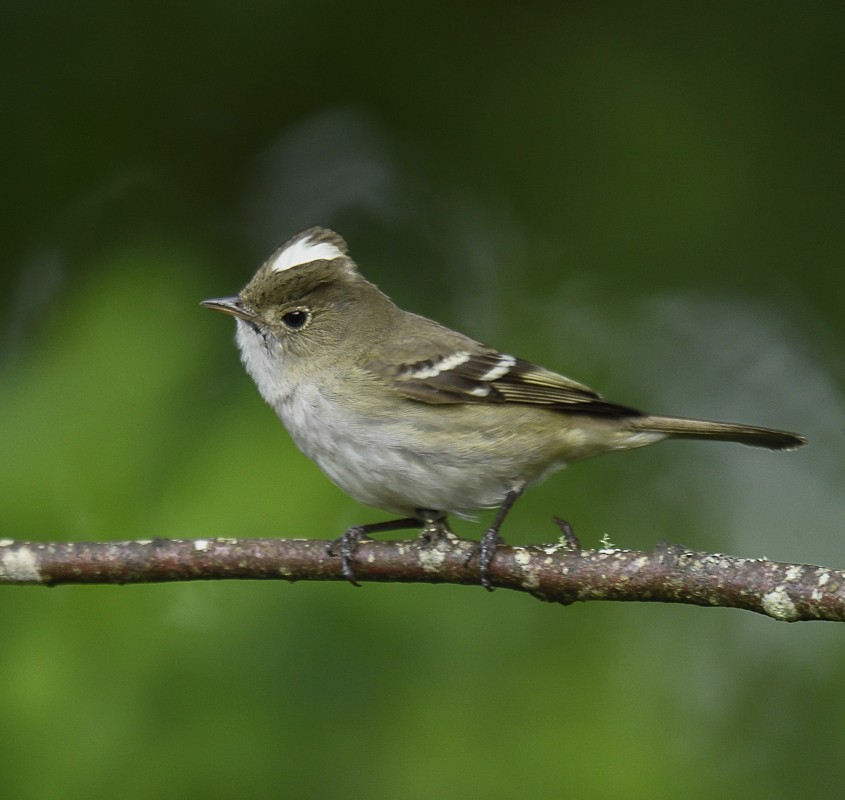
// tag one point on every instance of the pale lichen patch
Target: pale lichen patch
(531, 581)
(778, 604)
(794, 573)
(525, 560)
(6, 542)
(19, 566)
(431, 558)
(200, 545)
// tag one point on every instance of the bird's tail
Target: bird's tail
(753, 435)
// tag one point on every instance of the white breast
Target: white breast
(384, 463)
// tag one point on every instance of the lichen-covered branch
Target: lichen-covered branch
(558, 573)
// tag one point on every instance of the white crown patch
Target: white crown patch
(304, 251)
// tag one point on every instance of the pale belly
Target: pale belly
(455, 459)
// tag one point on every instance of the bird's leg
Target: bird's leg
(345, 546)
(486, 548)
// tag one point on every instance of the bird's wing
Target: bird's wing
(460, 370)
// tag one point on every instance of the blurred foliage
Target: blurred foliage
(645, 196)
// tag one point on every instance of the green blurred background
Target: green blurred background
(648, 197)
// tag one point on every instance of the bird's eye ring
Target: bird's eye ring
(296, 318)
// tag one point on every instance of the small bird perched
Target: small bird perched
(411, 417)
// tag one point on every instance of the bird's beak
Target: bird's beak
(230, 305)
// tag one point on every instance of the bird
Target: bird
(409, 416)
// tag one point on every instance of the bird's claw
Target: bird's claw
(345, 547)
(485, 552)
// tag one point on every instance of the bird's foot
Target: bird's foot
(345, 547)
(485, 552)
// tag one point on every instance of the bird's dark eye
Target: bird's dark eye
(296, 319)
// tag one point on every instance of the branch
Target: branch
(559, 573)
